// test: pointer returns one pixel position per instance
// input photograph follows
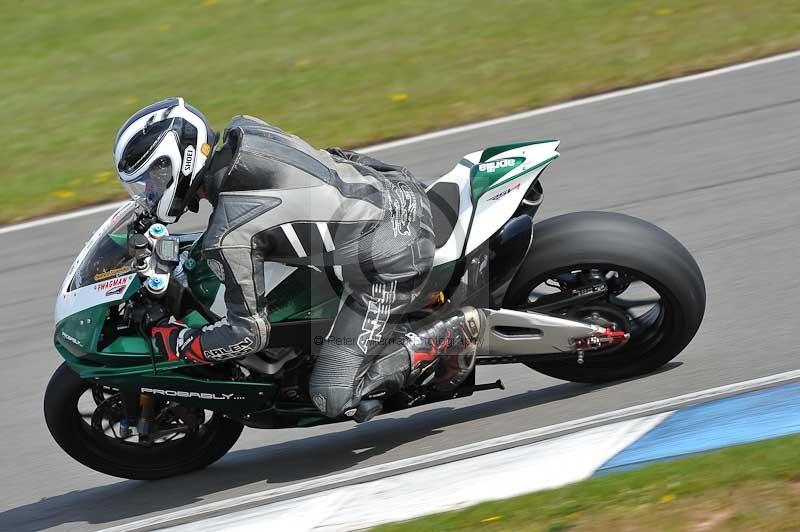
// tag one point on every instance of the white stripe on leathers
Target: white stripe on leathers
(325, 234)
(290, 233)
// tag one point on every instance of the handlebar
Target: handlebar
(159, 263)
(156, 254)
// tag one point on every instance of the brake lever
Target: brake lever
(146, 312)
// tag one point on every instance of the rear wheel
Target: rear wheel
(86, 420)
(654, 291)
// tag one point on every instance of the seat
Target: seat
(445, 200)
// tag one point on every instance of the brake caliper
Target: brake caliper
(602, 339)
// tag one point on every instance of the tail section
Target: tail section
(499, 179)
(477, 197)
(502, 164)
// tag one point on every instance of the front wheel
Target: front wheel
(654, 290)
(86, 420)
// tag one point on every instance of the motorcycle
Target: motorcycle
(587, 297)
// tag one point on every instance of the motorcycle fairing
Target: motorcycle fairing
(498, 189)
(490, 185)
(451, 200)
(73, 300)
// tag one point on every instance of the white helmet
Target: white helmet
(160, 153)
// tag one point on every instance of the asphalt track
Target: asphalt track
(715, 161)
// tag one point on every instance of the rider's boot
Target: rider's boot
(385, 376)
(367, 409)
(443, 355)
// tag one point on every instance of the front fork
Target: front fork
(139, 412)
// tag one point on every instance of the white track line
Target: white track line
(541, 465)
(468, 127)
(449, 455)
(60, 217)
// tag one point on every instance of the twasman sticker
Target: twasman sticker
(112, 283)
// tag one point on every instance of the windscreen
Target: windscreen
(106, 256)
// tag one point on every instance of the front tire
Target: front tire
(124, 459)
(603, 241)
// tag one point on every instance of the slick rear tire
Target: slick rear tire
(616, 241)
(102, 453)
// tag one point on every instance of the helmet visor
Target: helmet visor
(149, 187)
(141, 146)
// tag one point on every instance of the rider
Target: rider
(277, 199)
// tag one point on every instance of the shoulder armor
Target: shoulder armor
(266, 157)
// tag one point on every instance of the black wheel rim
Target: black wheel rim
(649, 308)
(99, 413)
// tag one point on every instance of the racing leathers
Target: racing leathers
(276, 199)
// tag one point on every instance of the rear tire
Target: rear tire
(616, 241)
(102, 453)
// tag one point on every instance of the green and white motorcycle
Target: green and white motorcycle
(586, 297)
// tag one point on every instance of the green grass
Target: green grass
(749, 487)
(337, 73)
